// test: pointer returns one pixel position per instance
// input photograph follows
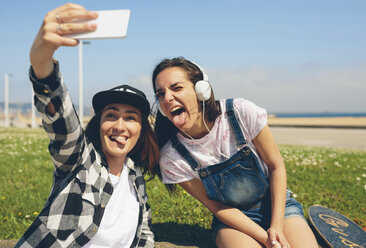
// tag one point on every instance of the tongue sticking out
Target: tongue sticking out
(179, 119)
(121, 140)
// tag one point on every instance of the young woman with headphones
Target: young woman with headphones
(223, 154)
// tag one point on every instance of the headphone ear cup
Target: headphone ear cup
(203, 90)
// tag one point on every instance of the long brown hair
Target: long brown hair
(146, 151)
(164, 128)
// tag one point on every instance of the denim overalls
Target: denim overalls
(237, 182)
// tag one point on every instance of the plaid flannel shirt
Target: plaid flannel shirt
(81, 186)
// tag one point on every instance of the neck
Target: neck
(199, 130)
(115, 164)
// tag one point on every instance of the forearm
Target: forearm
(61, 124)
(51, 97)
(278, 186)
(268, 150)
(234, 218)
(42, 70)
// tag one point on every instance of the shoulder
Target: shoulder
(241, 105)
(133, 167)
(167, 151)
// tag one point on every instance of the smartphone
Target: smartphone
(111, 24)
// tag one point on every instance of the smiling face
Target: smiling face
(120, 129)
(178, 99)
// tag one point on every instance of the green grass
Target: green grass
(331, 177)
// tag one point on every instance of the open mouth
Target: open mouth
(177, 111)
(119, 139)
(179, 115)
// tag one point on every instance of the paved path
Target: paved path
(327, 137)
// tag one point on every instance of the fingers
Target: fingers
(284, 243)
(272, 235)
(277, 239)
(65, 7)
(55, 25)
(61, 20)
(71, 15)
(71, 28)
(272, 238)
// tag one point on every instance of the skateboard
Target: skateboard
(336, 230)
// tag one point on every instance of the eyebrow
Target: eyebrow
(132, 112)
(112, 108)
(170, 86)
(128, 111)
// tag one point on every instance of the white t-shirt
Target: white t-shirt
(119, 222)
(215, 147)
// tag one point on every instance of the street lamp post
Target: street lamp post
(81, 107)
(6, 99)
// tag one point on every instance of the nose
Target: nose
(119, 125)
(168, 96)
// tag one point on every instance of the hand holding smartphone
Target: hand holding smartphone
(111, 24)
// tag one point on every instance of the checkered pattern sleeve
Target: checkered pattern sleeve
(147, 236)
(144, 236)
(63, 128)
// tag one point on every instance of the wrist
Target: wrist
(276, 226)
(262, 237)
(42, 70)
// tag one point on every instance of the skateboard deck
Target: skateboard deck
(336, 230)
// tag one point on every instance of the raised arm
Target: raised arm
(52, 100)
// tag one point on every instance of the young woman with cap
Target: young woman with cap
(98, 197)
(223, 154)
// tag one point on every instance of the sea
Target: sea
(318, 115)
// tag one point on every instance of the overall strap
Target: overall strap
(182, 150)
(240, 140)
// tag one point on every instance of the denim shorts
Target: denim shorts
(261, 213)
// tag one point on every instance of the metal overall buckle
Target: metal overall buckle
(245, 145)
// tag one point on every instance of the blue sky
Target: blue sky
(286, 56)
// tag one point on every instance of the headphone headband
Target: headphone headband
(205, 77)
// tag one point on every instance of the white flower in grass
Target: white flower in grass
(358, 179)
(294, 195)
(364, 187)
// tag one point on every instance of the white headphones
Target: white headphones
(202, 88)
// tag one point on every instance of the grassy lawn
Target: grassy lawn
(335, 178)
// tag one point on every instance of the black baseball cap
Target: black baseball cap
(121, 94)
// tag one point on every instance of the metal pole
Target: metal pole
(6, 100)
(33, 111)
(81, 84)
